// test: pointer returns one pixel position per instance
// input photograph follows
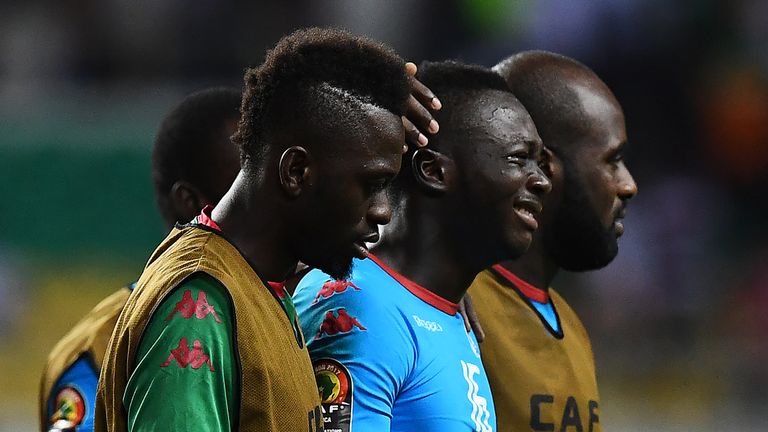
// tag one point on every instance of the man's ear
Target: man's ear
(187, 200)
(294, 170)
(433, 171)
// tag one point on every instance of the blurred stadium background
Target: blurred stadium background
(678, 320)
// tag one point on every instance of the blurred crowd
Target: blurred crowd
(676, 320)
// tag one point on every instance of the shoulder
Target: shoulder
(73, 364)
(366, 287)
(90, 334)
(78, 339)
(200, 298)
(357, 312)
(198, 306)
(114, 302)
(486, 284)
(493, 298)
(194, 321)
(102, 320)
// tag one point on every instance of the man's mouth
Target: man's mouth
(527, 210)
(361, 251)
(361, 248)
(618, 226)
(618, 221)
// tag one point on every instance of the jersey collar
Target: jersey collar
(419, 291)
(529, 291)
(204, 218)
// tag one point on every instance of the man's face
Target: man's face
(592, 185)
(501, 185)
(348, 198)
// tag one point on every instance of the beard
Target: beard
(335, 264)
(577, 240)
(339, 268)
(317, 248)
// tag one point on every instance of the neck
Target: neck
(414, 245)
(255, 228)
(535, 267)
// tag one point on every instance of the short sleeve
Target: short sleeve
(185, 375)
(73, 396)
(361, 354)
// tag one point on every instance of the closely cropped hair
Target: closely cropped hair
(542, 81)
(316, 79)
(187, 140)
(456, 83)
(453, 76)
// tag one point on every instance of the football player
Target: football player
(209, 339)
(389, 348)
(537, 353)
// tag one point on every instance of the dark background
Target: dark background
(677, 321)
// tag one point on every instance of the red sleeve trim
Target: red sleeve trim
(419, 291)
(536, 294)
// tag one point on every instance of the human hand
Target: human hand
(471, 321)
(418, 120)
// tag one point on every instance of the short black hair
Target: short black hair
(186, 142)
(315, 80)
(457, 84)
(542, 80)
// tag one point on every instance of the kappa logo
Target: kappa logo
(188, 307)
(480, 414)
(338, 322)
(195, 357)
(334, 287)
(429, 325)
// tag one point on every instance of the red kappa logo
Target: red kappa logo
(334, 287)
(341, 322)
(188, 307)
(184, 356)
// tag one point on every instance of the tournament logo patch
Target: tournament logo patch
(70, 406)
(335, 387)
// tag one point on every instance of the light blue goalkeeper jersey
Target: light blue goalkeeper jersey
(390, 355)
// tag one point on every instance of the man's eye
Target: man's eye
(517, 158)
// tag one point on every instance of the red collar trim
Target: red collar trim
(205, 218)
(419, 291)
(278, 288)
(536, 294)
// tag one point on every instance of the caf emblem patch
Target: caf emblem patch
(70, 406)
(335, 387)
